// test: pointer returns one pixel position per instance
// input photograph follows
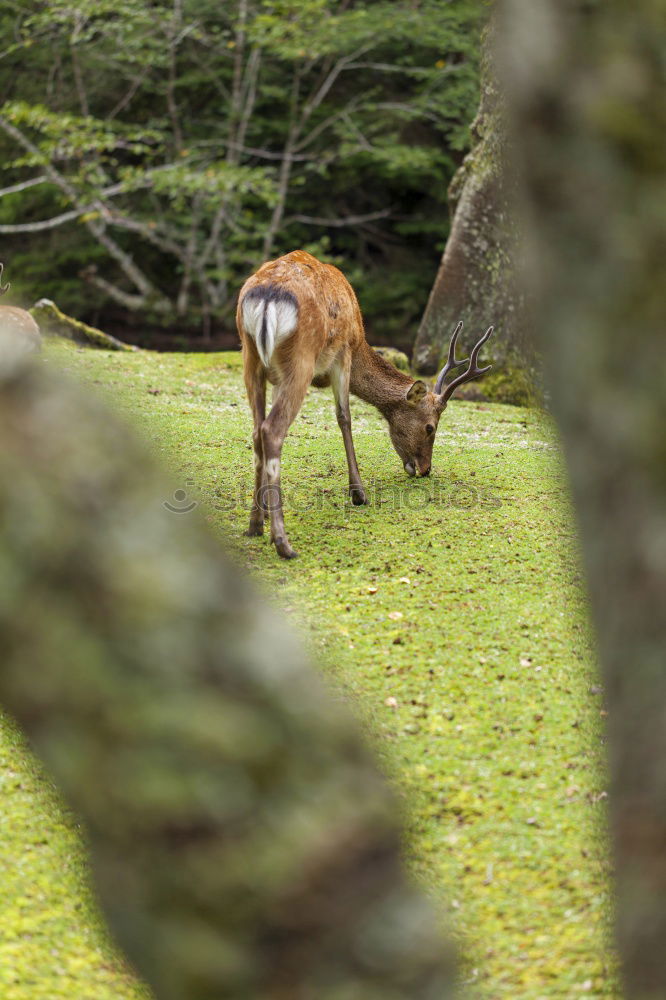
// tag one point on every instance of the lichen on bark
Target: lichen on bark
(243, 841)
(476, 282)
(586, 85)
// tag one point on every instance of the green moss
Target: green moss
(450, 613)
(56, 323)
(510, 384)
(395, 357)
(52, 940)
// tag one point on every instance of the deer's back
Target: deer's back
(328, 313)
(18, 322)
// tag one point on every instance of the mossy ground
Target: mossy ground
(451, 614)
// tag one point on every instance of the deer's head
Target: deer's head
(413, 421)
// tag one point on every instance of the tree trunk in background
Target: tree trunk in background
(586, 84)
(475, 279)
(243, 841)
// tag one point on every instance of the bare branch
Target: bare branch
(250, 87)
(23, 185)
(263, 154)
(392, 68)
(95, 227)
(237, 80)
(39, 227)
(339, 222)
(285, 169)
(172, 104)
(363, 142)
(59, 220)
(124, 101)
(125, 299)
(322, 126)
(76, 66)
(153, 234)
(342, 64)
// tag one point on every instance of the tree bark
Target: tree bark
(586, 85)
(475, 280)
(242, 839)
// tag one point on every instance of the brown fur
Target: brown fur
(328, 347)
(18, 322)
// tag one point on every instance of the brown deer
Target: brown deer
(18, 323)
(300, 324)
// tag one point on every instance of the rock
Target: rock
(395, 357)
(56, 323)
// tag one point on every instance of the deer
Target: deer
(300, 324)
(18, 323)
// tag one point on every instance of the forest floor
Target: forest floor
(450, 612)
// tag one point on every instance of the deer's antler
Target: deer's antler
(4, 288)
(446, 391)
(450, 361)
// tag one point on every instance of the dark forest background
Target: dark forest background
(155, 153)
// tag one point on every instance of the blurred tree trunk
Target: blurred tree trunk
(243, 842)
(475, 280)
(586, 83)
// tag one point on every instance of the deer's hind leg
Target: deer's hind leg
(287, 401)
(255, 384)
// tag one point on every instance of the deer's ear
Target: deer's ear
(416, 392)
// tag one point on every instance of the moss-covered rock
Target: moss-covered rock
(55, 323)
(510, 384)
(394, 357)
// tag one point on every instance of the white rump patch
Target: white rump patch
(268, 322)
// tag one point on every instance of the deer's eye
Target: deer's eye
(430, 429)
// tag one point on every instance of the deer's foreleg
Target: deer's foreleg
(255, 383)
(340, 385)
(286, 404)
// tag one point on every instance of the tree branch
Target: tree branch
(172, 104)
(339, 222)
(133, 302)
(345, 63)
(126, 99)
(39, 227)
(97, 229)
(23, 185)
(250, 87)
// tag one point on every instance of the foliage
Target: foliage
(469, 661)
(182, 143)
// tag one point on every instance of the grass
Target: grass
(450, 612)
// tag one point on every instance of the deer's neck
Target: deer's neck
(376, 381)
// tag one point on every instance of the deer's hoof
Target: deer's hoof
(284, 549)
(254, 530)
(358, 496)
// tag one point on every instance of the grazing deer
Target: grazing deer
(300, 324)
(18, 323)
